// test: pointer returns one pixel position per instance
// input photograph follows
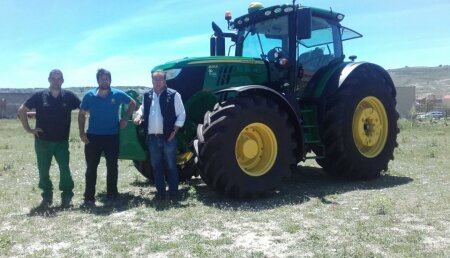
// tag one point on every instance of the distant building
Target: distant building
(406, 100)
(10, 102)
(446, 101)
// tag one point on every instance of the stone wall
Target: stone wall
(10, 102)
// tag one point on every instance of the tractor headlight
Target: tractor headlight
(172, 73)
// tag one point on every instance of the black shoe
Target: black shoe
(66, 202)
(174, 196)
(46, 203)
(159, 197)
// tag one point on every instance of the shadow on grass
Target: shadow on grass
(146, 183)
(125, 202)
(129, 201)
(48, 212)
(305, 183)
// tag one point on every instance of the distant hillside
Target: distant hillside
(427, 80)
(11, 99)
(79, 91)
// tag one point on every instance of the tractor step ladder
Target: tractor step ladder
(310, 129)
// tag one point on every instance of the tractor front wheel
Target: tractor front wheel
(246, 146)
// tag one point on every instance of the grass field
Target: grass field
(404, 213)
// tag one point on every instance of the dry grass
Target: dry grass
(402, 214)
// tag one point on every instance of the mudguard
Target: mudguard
(342, 75)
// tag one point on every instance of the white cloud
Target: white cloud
(133, 68)
(129, 68)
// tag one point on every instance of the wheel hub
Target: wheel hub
(256, 149)
(250, 148)
(370, 126)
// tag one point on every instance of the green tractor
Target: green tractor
(286, 95)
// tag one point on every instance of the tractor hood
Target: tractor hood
(191, 75)
(202, 61)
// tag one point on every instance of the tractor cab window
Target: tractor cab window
(267, 39)
(323, 47)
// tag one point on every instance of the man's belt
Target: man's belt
(156, 134)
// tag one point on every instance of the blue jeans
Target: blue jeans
(163, 156)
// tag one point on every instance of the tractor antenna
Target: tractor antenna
(331, 10)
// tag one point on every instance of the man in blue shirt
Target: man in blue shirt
(102, 134)
(51, 135)
(162, 113)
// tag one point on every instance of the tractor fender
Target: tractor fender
(338, 80)
(329, 80)
(287, 102)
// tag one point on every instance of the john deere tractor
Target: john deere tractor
(275, 91)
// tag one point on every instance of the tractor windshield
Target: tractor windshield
(259, 38)
(322, 48)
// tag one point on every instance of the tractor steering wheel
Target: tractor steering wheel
(274, 54)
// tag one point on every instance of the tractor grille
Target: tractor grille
(224, 75)
(188, 82)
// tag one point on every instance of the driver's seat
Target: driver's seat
(311, 60)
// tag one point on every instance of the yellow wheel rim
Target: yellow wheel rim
(256, 149)
(370, 127)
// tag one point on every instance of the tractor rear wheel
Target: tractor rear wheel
(361, 129)
(246, 146)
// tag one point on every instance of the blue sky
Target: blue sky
(130, 37)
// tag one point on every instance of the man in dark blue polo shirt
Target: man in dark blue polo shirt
(53, 116)
(102, 134)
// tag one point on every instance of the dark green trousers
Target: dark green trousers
(45, 150)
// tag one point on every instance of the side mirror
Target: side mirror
(304, 23)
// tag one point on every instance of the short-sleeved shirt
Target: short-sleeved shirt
(104, 111)
(53, 115)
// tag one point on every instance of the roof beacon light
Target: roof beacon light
(228, 15)
(228, 18)
(255, 6)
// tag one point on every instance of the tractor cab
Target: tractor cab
(294, 41)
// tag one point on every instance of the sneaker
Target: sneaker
(88, 204)
(66, 202)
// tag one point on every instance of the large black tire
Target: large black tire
(360, 127)
(246, 147)
(145, 168)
